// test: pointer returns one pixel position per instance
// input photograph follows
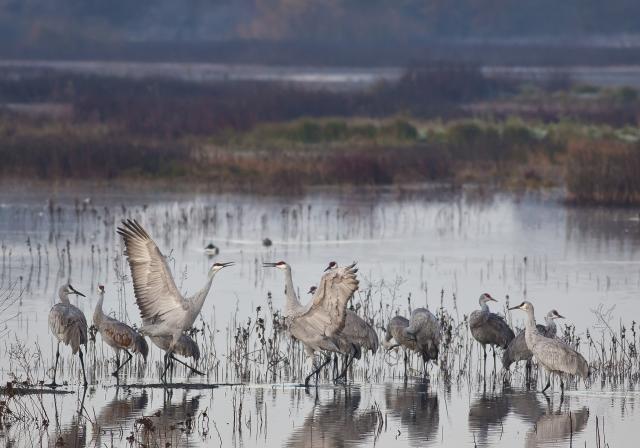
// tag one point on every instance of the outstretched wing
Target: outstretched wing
(328, 309)
(155, 290)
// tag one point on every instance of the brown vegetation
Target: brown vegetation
(276, 137)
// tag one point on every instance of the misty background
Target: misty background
(364, 32)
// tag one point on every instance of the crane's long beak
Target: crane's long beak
(227, 264)
(514, 308)
(269, 265)
(559, 316)
(76, 292)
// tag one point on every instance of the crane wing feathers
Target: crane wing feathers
(557, 356)
(154, 287)
(327, 311)
(69, 325)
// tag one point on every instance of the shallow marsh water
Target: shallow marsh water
(437, 247)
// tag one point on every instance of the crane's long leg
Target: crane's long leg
(406, 360)
(193, 369)
(166, 366)
(548, 383)
(129, 357)
(115, 373)
(84, 375)
(326, 361)
(484, 351)
(347, 363)
(55, 369)
(493, 349)
(316, 372)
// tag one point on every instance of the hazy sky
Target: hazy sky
(31, 21)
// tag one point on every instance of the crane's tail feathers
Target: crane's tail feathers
(142, 347)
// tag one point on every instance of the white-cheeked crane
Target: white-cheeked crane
(318, 323)
(69, 326)
(164, 310)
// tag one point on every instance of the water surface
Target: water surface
(424, 247)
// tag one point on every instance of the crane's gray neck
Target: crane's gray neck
(197, 301)
(98, 314)
(530, 330)
(63, 294)
(484, 307)
(293, 304)
(551, 326)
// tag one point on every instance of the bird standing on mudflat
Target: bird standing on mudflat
(421, 334)
(489, 328)
(68, 325)
(118, 335)
(318, 323)
(553, 354)
(518, 350)
(164, 310)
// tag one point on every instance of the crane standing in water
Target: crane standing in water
(356, 335)
(318, 323)
(68, 325)
(421, 334)
(118, 335)
(518, 350)
(553, 354)
(489, 328)
(164, 310)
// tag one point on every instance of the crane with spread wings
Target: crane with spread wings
(164, 310)
(318, 323)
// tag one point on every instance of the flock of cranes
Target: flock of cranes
(323, 325)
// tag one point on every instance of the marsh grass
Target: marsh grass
(277, 137)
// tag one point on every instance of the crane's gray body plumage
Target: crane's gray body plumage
(357, 335)
(421, 333)
(489, 328)
(553, 354)
(518, 350)
(185, 347)
(116, 334)
(318, 323)
(67, 322)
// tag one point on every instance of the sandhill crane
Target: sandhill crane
(356, 335)
(318, 323)
(118, 335)
(68, 325)
(553, 354)
(164, 311)
(518, 350)
(186, 347)
(421, 334)
(489, 328)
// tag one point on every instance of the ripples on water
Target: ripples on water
(426, 245)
